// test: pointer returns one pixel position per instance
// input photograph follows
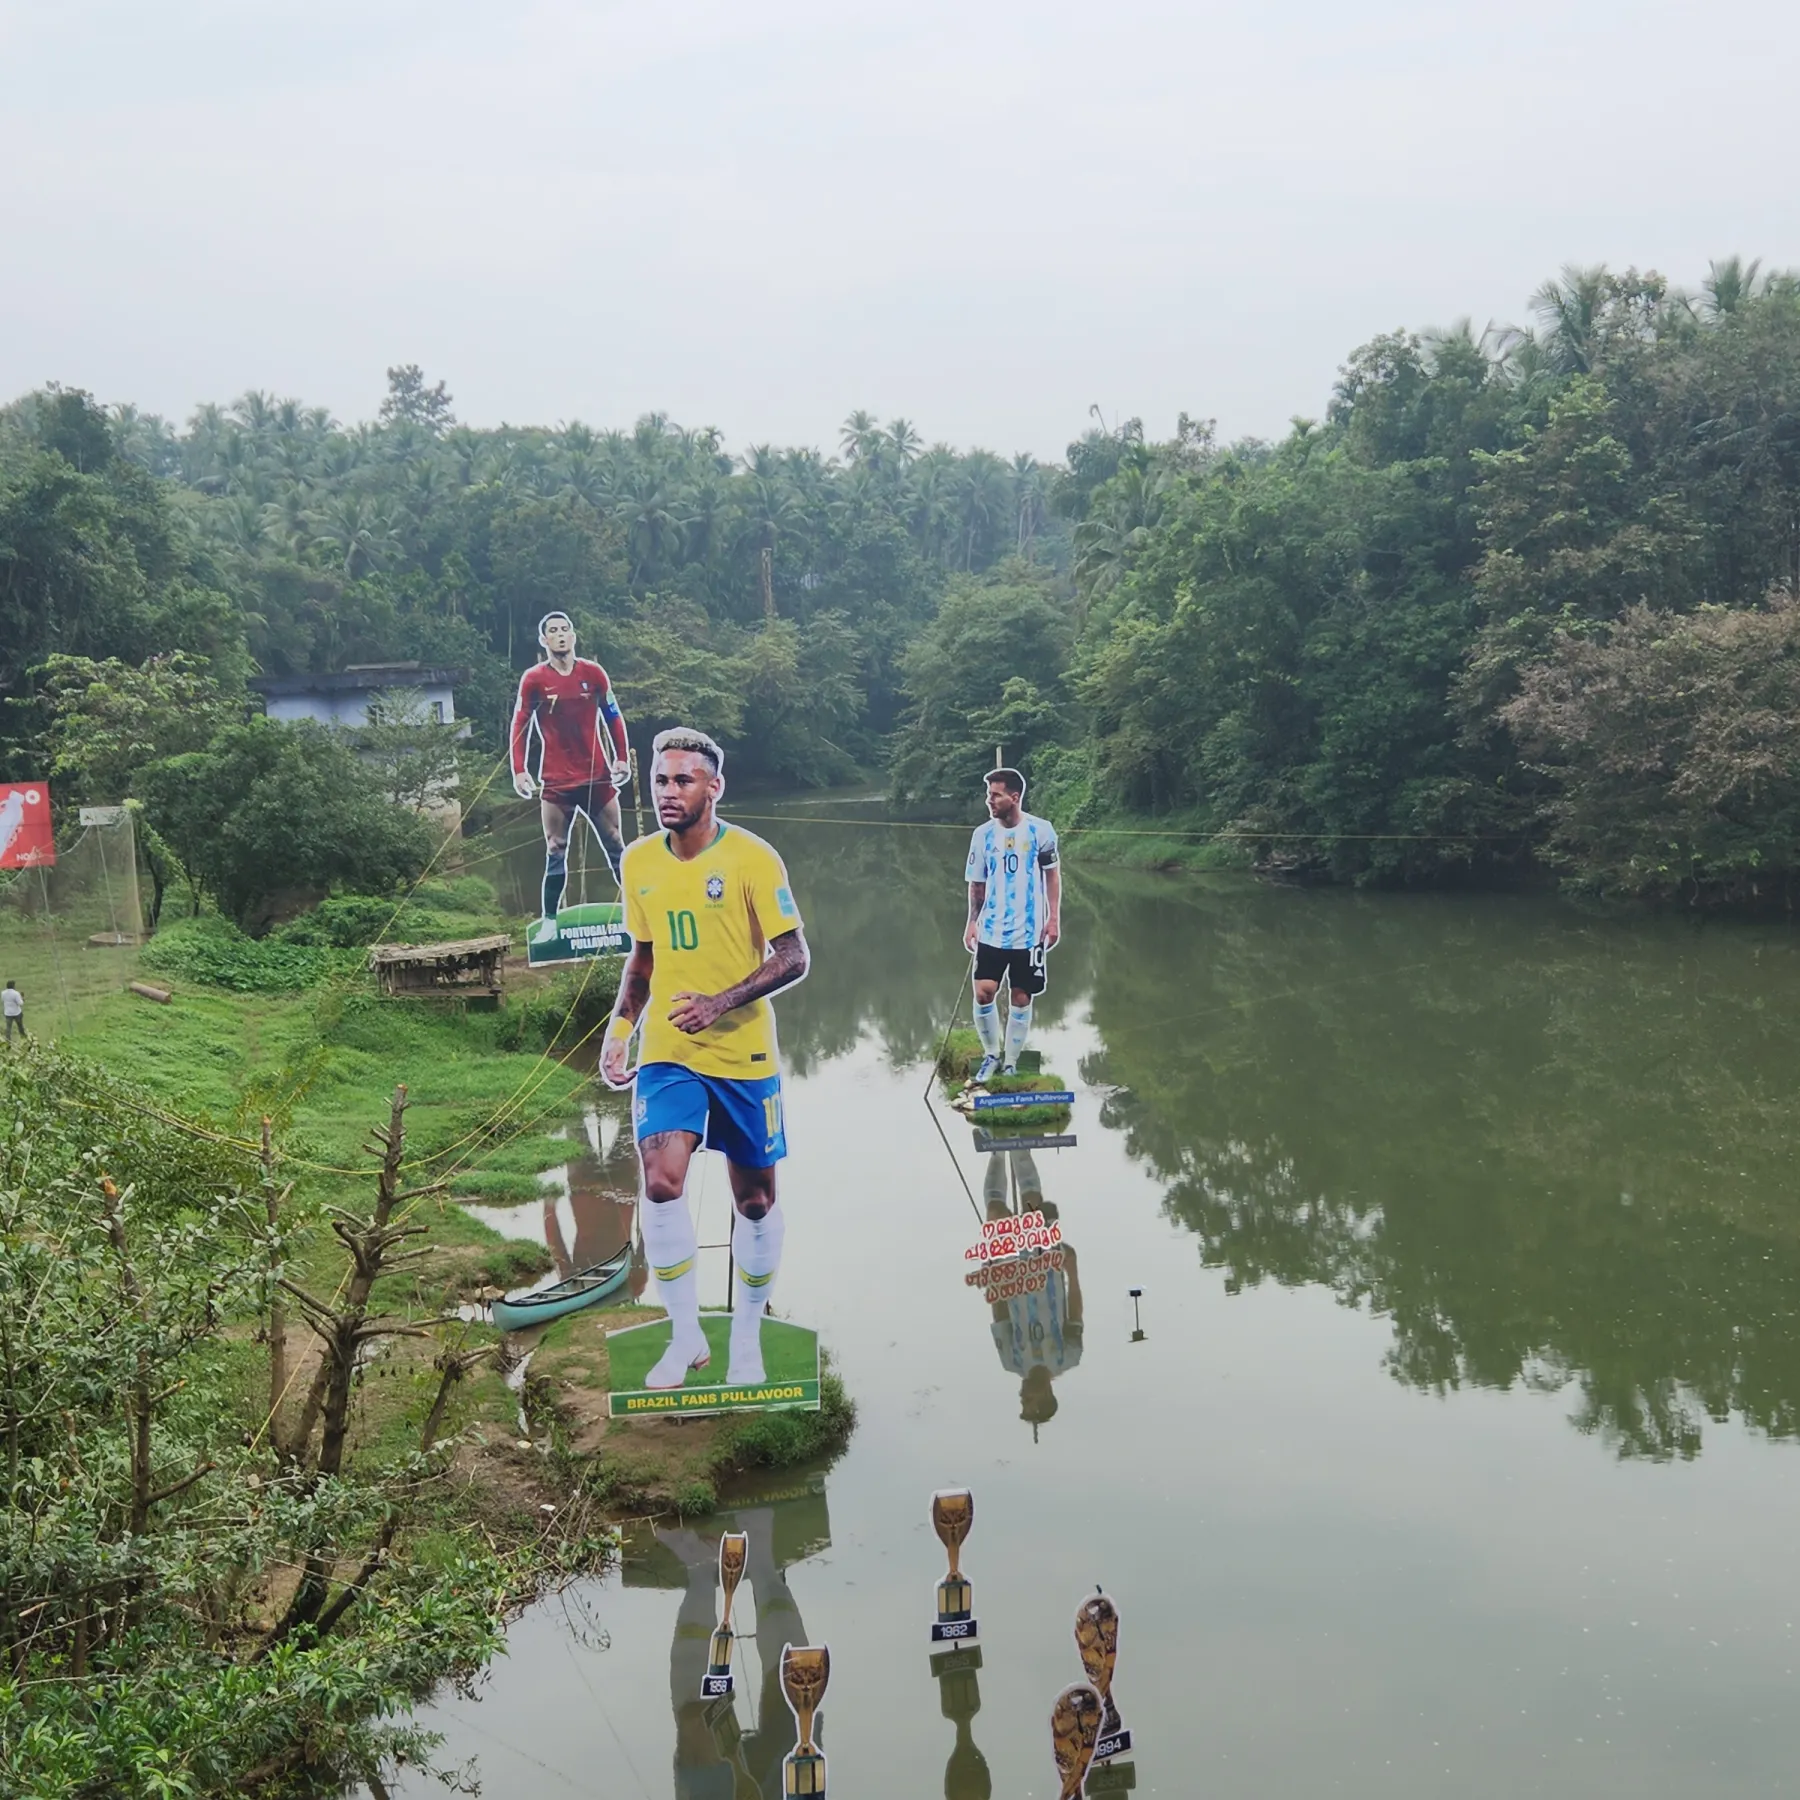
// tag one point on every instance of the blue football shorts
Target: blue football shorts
(741, 1118)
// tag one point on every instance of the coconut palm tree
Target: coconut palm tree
(1569, 310)
(359, 532)
(707, 520)
(860, 438)
(930, 512)
(1030, 492)
(981, 500)
(647, 506)
(903, 442)
(1727, 287)
(767, 508)
(241, 524)
(1126, 512)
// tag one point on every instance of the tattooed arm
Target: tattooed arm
(787, 961)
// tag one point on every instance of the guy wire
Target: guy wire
(949, 1149)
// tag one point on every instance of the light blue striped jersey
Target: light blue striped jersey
(1012, 862)
(1035, 1329)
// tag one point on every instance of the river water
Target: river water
(1449, 1449)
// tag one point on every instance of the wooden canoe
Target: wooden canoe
(588, 1287)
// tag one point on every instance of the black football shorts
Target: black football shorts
(1023, 969)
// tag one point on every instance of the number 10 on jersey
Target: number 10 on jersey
(684, 931)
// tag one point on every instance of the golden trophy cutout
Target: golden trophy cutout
(1074, 1731)
(1097, 1639)
(804, 1673)
(734, 1550)
(952, 1516)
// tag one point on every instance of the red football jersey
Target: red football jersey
(567, 710)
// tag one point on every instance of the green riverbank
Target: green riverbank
(270, 1474)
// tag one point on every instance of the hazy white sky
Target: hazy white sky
(982, 215)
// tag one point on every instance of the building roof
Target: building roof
(384, 955)
(361, 678)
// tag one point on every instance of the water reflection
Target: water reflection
(966, 1775)
(1552, 1152)
(733, 1745)
(587, 1207)
(1555, 1152)
(1035, 1300)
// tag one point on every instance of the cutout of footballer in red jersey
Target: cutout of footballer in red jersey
(566, 701)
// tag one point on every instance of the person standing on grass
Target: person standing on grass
(1015, 918)
(12, 1004)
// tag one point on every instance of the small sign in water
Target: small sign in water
(1004, 1102)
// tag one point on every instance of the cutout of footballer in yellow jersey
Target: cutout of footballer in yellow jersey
(715, 931)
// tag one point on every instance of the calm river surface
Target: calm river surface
(1456, 1456)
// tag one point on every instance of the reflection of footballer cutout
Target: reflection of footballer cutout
(563, 700)
(714, 931)
(713, 1757)
(1038, 1333)
(1015, 918)
(601, 1206)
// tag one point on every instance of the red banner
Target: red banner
(25, 837)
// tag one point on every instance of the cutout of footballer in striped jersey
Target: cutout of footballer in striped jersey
(1015, 919)
(566, 702)
(1035, 1298)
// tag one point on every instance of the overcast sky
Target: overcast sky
(982, 215)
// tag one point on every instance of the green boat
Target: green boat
(588, 1287)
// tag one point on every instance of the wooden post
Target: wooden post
(637, 792)
(999, 756)
(277, 1305)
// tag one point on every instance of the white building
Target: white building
(351, 699)
(345, 699)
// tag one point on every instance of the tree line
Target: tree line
(1522, 597)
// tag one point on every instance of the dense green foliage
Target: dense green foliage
(1320, 644)
(1323, 650)
(146, 1516)
(270, 810)
(768, 597)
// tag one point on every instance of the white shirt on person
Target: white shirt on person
(1011, 860)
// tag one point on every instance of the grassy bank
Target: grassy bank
(449, 1488)
(961, 1056)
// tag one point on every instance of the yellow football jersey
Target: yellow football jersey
(708, 923)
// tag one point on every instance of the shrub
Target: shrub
(213, 952)
(1673, 742)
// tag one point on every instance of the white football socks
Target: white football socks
(1018, 1029)
(987, 1027)
(756, 1251)
(673, 1252)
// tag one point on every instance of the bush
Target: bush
(433, 913)
(213, 952)
(1673, 741)
(563, 1012)
(267, 810)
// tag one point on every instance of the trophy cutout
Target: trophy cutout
(804, 1673)
(952, 1515)
(1097, 1639)
(1074, 1731)
(734, 1549)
